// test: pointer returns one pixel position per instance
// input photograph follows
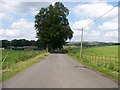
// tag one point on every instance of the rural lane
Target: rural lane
(59, 71)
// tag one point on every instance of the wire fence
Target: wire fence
(110, 63)
(105, 62)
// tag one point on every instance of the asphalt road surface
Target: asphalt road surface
(59, 71)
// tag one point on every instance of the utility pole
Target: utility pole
(81, 43)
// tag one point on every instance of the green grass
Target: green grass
(110, 51)
(17, 61)
(9, 57)
(102, 59)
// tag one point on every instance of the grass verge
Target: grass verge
(107, 73)
(17, 67)
(74, 53)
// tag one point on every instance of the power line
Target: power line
(102, 15)
(105, 13)
(88, 25)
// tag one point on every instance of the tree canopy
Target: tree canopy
(52, 26)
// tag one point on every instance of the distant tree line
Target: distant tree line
(91, 44)
(39, 44)
(21, 43)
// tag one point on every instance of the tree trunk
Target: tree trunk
(47, 47)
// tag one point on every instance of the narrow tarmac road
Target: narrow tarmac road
(58, 71)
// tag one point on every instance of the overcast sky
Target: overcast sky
(18, 19)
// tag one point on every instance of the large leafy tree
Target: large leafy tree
(52, 26)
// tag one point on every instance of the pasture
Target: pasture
(103, 59)
(109, 51)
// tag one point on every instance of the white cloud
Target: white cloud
(109, 26)
(22, 23)
(96, 1)
(85, 23)
(67, 0)
(5, 17)
(30, 7)
(89, 35)
(21, 8)
(93, 35)
(112, 34)
(19, 29)
(95, 10)
(8, 6)
(10, 33)
(107, 31)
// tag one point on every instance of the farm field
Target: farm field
(109, 51)
(103, 59)
(14, 61)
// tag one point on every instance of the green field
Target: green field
(103, 59)
(109, 51)
(14, 61)
(10, 57)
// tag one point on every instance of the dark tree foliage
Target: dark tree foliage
(5, 43)
(18, 43)
(23, 42)
(52, 26)
(40, 44)
(14, 43)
